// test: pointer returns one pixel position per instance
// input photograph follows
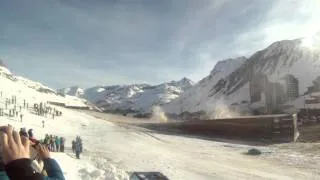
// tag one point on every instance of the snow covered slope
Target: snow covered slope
(136, 97)
(195, 99)
(288, 57)
(13, 85)
(112, 150)
(72, 91)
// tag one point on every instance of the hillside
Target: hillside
(14, 85)
(267, 68)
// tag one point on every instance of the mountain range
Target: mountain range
(272, 80)
(231, 83)
(131, 98)
(234, 86)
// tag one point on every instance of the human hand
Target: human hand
(13, 146)
(43, 151)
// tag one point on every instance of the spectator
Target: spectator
(73, 146)
(62, 141)
(57, 141)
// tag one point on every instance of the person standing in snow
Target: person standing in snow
(73, 146)
(52, 143)
(57, 141)
(46, 140)
(21, 116)
(62, 141)
(42, 123)
(78, 149)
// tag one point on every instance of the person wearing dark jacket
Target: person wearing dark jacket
(16, 158)
(62, 141)
(73, 146)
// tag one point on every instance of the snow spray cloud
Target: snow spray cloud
(158, 114)
(220, 110)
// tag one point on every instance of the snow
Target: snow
(112, 150)
(4, 70)
(138, 97)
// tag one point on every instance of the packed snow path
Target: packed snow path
(112, 150)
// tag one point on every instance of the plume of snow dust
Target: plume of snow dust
(220, 110)
(158, 114)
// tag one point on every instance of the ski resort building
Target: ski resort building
(291, 86)
(269, 94)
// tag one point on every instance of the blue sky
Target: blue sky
(86, 43)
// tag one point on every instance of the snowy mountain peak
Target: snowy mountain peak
(136, 97)
(3, 68)
(72, 91)
(228, 65)
(184, 83)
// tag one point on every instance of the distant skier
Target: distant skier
(52, 116)
(42, 123)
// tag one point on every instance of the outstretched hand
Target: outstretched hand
(13, 146)
(43, 151)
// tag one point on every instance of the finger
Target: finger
(11, 142)
(45, 149)
(4, 141)
(32, 143)
(3, 128)
(5, 147)
(25, 141)
(40, 146)
(17, 138)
